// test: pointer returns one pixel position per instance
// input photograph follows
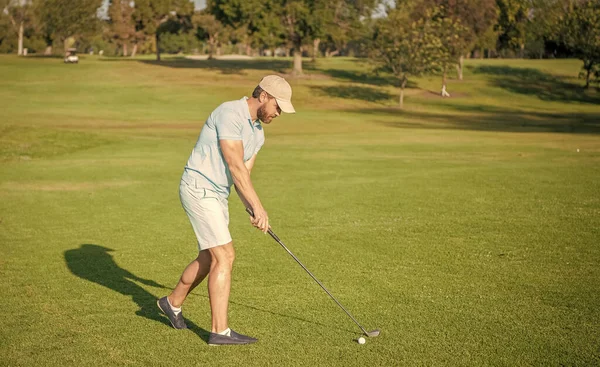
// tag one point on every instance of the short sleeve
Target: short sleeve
(229, 125)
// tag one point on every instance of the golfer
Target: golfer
(224, 156)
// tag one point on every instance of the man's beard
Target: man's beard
(262, 114)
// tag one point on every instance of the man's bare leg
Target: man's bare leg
(219, 284)
(193, 275)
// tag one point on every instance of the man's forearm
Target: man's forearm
(241, 196)
(244, 187)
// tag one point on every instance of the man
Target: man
(224, 156)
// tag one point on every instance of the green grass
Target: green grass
(467, 229)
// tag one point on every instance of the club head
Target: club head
(372, 333)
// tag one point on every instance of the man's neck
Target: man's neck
(253, 108)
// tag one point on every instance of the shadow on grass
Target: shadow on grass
(485, 118)
(225, 66)
(369, 78)
(95, 264)
(362, 77)
(529, 81)
(355, 92)
(278, 65)
(37, 57)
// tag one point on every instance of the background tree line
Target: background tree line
(408, 38)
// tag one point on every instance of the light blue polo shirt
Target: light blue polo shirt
(229, 121)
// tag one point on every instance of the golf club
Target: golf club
(371, 334)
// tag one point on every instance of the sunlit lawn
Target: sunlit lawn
(466, 228)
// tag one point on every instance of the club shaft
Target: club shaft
(316, 280)
(272, 234)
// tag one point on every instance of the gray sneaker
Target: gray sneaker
(176, 321)
(233, 339)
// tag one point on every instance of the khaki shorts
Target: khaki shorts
(208, 213)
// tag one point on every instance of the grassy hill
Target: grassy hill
(465, 228)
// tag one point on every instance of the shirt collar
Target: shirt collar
(247, 113)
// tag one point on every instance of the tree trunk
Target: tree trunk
(157, 47)
(316, 43)
(20, 49)
(134, 51)
(287, 52)
(211, 48)
(402, 86)
(587, 77)
(444, 74)
(248, 50)
(297, 60)
(522, 51)
(273, 52)
(481, 53)
(124, 49)
(459, 67)
(48, 51)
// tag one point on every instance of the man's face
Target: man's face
(269, 110)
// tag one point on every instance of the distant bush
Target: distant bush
(174, 43)
(34, 44)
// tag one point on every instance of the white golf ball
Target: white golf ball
(361, 340)
(577, 150)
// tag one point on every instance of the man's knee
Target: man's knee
(222, 256)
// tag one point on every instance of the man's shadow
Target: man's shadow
(95, 264)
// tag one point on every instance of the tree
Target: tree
(454, 40)
(292, 15)
(154, 17)
(487, 41)
(67, 19)
(267, 32)
(581, 32)
(512, 24)
(210, 29)
(295, 18)
(252, 15)
(405, 47)
(476, 16)
(341, 21)
(122, 25)
(295, 23)
(19, 13)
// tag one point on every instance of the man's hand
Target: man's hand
(260, 219)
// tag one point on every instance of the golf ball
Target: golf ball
(361, 340)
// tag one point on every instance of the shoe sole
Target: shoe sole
(221, 345)
(163, 311)
(225, 344)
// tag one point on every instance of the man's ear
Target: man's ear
(262, 97)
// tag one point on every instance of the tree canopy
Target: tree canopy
(581, 32)
(410, 37)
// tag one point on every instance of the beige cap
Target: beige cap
(280, 89)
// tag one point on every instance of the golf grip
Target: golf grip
(309, 273)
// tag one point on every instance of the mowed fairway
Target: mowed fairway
(466, 229)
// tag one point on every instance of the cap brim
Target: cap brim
(285, 106)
